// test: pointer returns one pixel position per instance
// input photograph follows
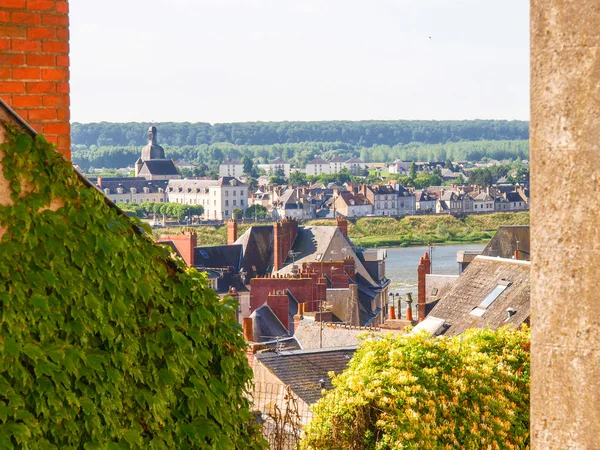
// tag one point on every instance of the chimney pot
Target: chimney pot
(248, 329)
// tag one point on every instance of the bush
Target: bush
(106, 342)
(421, 392)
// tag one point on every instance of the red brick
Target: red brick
(13, 3)
(4, 16)
(42, 114)
(55, 47)
(62, 34)
(22, 113)
(41, 33)
(16, 87)
(63, 114)
(62, 61)
(5, 73)
(53, 139)
(12, 60)
(55, 20)
(12, 31)
(64, 141)
(41, 60)
(62, 7)
(55, 100)
(40, 5)
(62, 88)
(55, 74)
(26, 17)
(41, 87)
(4, 44)
(26, 45)
(57, 128)
(39, 127)
(26, 73)
(30, 101)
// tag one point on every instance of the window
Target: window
(215, 203)
(234, 203)
(242, 202)
(226, 213)
(226, 193)
(226, 202)
(490, 298)
(234, 192)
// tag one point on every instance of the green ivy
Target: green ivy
(106, 342)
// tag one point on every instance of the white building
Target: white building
(354, 165)
(231, 168)
(218, 197)
(132, 189)
(336, 164)
(317, 166)
(280, 164)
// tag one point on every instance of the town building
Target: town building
(355, 165)
(218, 197)
(132, 189)
(336, 164)
(279, 165)
(153, 164)
(318, 166)
(231, 168)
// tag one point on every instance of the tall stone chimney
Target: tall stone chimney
(342, 224)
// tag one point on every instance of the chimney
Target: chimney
(99, 183)
(231, 231)
(248, 329)
(342, 224)
(392, 313)
(409, 300)
(427, 263)
(421, 299)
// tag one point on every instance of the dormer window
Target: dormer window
(119, 190)
(146, 190)
(133, 190)
(107, 191)
(161, 190)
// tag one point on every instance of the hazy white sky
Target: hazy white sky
(246, 60)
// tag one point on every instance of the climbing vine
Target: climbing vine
(421, 392)
(105, 340)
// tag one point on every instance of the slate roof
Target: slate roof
(158, 167)
(318, 161)
(127, 183)
(232, 162)
(504, 242)
(278, 161)
(358, 199)
(479, 279)
(265, 325)
(257, 244)
(302, 369)
(355, 160)
(219, 256)
(337, 159)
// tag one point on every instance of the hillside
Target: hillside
(390, 232)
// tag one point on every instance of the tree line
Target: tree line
(356, 133)
(298, 154)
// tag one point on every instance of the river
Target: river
(401, 264)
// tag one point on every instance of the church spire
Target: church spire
(152, 135)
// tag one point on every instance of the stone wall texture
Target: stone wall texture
(34, 65)
(565, 156)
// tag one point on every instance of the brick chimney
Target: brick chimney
(409, 314)
(342, 224)
(421, 299)
(231, 231)
(34, 81)
(248, 329)
(284, 235)
(185, 244)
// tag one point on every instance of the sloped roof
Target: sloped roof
(265, 325)
(504, 242)
(303, 369)
(278, 161)
(232, 162)
(323, 243)
(477, 281)
(355, 160)
(127, 183)
(318, 161)
(358, 199)
(337, 159)
(219, 256)
(158, 167)
(257, 244)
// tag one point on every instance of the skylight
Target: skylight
(489, 299)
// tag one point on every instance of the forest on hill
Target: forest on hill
(362, 133)
(115, 145)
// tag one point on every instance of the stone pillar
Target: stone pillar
(565, 231)
(421, 297)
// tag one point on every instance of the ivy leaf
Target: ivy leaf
(11, 347)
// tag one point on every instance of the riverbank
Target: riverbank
(389, 232)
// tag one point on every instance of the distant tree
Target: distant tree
(448, 165)
(412, 172)
(237, 213)
(248, 165)
(298, 178)
(460, 179)
(257, 212)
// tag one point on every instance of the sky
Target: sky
(273, 60)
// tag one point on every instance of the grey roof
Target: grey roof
(266, 326)
(231, 162)
(337, 159)
(219, 256)
(318, 161)
(504, 242)
(278, 161)
(479, 279)
(229, 181)
(158, 167)
(323, 243)
(447, 196)
(152, 151)
(303, 369)
(257, 243)
(128, 183)
(355, 160)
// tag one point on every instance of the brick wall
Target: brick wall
(34, 65)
